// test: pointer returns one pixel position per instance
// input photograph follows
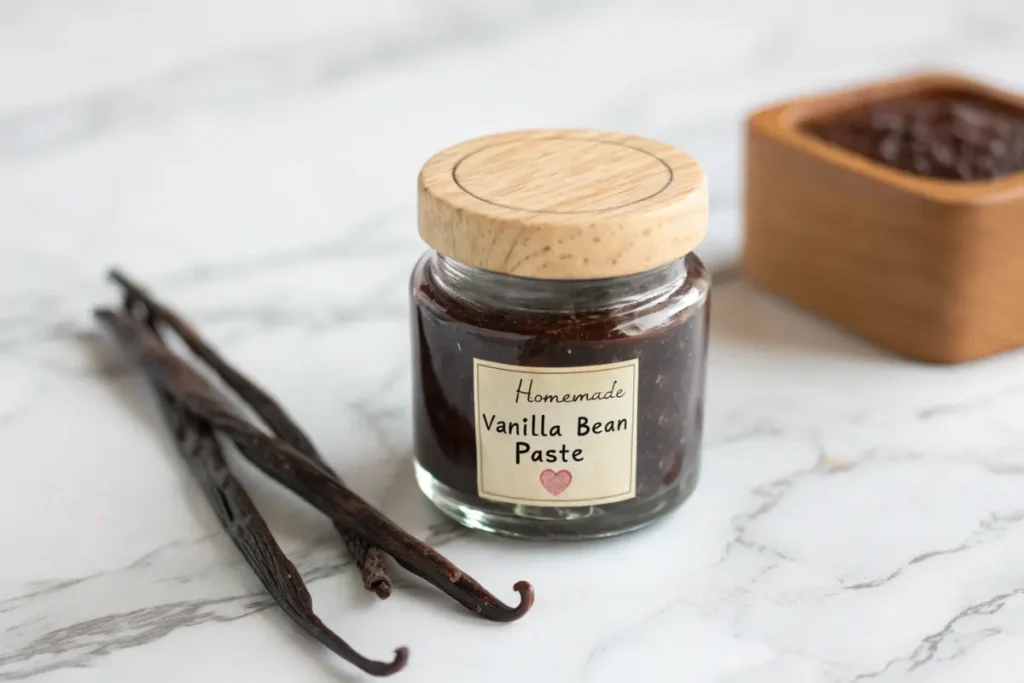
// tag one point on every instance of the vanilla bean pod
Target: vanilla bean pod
(294, 470)
(197, 444)
(367, 558)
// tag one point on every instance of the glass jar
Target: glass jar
(559, 332)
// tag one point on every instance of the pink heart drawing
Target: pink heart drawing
(555, 482)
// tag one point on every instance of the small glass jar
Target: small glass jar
(559, 332)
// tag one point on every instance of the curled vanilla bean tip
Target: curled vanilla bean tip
(399, 662)
(525, 591)
(496, 610)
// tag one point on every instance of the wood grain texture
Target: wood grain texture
(931, 269)
(563, 204)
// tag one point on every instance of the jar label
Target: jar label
(556, 437)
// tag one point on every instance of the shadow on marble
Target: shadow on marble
(743, 315)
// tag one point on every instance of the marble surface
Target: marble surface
(860, 518)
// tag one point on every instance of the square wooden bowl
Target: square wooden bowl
(931, 269)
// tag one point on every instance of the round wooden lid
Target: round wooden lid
(563, 204)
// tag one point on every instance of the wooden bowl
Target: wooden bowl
(931, 269)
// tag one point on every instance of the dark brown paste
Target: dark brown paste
(949, 135)
(449, 333)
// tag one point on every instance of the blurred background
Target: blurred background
(175, 135)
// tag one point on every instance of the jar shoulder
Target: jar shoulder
(638, 313)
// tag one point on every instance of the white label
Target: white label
(556, 437)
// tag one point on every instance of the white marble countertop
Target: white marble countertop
(859, 517)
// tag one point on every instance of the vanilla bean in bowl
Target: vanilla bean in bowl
(191, 401)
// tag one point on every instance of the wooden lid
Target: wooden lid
(562, 204)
